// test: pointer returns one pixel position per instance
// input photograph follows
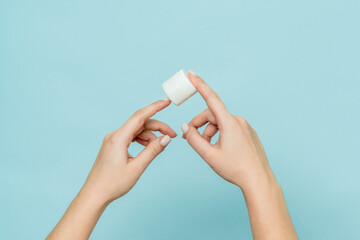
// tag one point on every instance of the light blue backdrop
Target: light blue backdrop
(71, 71)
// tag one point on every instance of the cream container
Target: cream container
(179, 88)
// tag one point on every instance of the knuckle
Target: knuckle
(107, 137)
(138, 112)
(139, 120)
(110, 139)
(242, 121)
(232, 123)
(154, 150)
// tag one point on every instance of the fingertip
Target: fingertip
(197, 82)
(192, 72)
(155, 107)
(172, 134)
(168, 131)
(165, 140)
(184, 128)
(193, 77)
(166, 101)
(162, 103)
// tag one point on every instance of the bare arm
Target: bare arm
(80, 218)
(114, 172)
(239, 157)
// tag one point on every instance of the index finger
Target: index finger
(136, 122)
(203, 118)
(213, 101)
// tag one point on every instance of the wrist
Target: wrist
(92, 196)
(265, 193)
(258, 182)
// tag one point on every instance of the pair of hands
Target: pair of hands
(238, 155)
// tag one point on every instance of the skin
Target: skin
(114, 172)
(238, 156)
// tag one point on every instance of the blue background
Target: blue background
(72, 71)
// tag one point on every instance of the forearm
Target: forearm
(269, 216)
(115, 171)
(80, 218)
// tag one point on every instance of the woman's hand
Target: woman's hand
(239, 157)
(115, 171)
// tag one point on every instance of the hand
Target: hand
(115, 171)
(238, 155)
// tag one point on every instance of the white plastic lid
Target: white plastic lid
(178, 88)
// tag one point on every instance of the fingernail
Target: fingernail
(166, 99)
(184, 127)
(192, 73)
(165, 140)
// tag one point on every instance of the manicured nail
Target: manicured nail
(192, 73)
(165, 140)
(184, 127)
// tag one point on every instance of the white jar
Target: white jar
(179, 88)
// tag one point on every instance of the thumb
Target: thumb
(197, 142)
(151, 151)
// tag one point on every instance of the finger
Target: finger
(209, 132)
(202, 119)
(144, 137)
(147, 135)
(141, 141)
(211, 98)
(137, 120)
(155, 125)
(197, 142)
(153, 149)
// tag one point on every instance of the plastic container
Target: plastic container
(179, 88)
